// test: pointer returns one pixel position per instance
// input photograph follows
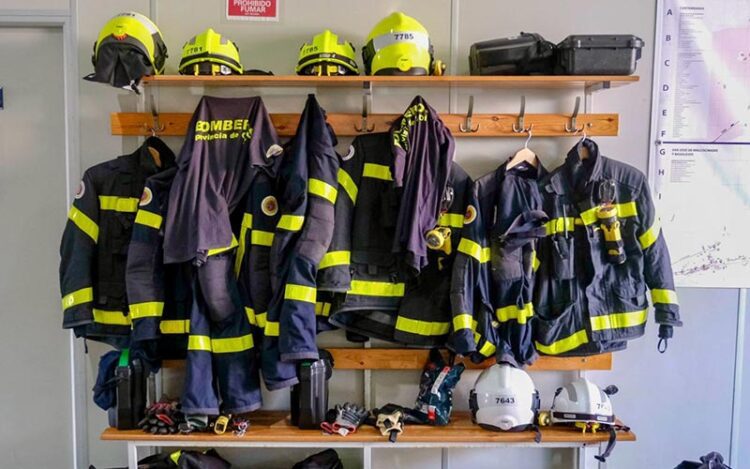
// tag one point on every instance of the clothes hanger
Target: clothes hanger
(524, 154)
(584, 151)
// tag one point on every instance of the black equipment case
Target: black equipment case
(525, 54)
(309, 398)
(598, 54)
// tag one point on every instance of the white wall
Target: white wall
(677, 403)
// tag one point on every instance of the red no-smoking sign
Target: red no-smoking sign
(253, 10)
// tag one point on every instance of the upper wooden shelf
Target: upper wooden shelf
(274, 427)
(415, 359)
(591, 82)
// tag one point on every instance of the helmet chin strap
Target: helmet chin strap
(610, 444)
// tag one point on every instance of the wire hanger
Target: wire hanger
(524, 154)
(584, 151)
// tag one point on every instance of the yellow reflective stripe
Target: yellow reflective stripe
(299, 293)
(199, 342)
(234, 244)
(663, 296)
(322, 189)
(84, 295)
(463, 321)
(488, 349)
(370, 288)
(428, 328)
(625, 210)
(619, 320)
(535, 263)
(118, 204)
(261, 319)
(346, 181)
(250, 313)
(322, 309)
(291, 222)
(650, 236)
(564, 345)
(174, 326)
(84, 223)
(232, 344)
(261, 238)
(377, 171)
(225, 345)
(474, 250)
(247, 223)
(175, 457)
(271, 329)
(112, 318)
(146, 310)
(507, 313)
(454, 220)
(150, 219)
(335, 258)
(561, 225)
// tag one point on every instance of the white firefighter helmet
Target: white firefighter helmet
(504, 398)
(583, 401)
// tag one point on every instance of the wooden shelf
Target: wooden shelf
(414, 359)
(274, 427)
(536, 81)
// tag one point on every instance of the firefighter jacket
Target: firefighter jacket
(376, 293)
(228, 140)
(307, 193)
(159, 294)
(94, 245)
(494, 273)
(423, 149)
(585, 303)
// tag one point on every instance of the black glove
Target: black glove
(345, 419)
(162, 418)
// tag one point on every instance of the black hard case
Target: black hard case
(525, 54)
(598, 54)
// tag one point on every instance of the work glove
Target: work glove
(194, 423)
(344, 419)
(391, 424)
(162, 418)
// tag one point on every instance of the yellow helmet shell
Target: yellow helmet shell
(209, 53)
(398, 45)
(327, 55)
(137, 30)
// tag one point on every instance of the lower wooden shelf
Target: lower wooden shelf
(274, 427)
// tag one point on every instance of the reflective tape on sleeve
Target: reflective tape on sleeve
(261, 238)
(462, 321)
(200, 343)
(232, 344)
(78, 297)
(271, 329)
(368, 288)
(322, 309)
(150, 219)
(561, 225)
(335, 258)
(487, 349)
(663, 296)
(474, 250)
(650, 236)
(377, 171)
(111, 318)
(507, 313)
(261, 319)
(424, 328)
(84, 223)
(619, 320)
(118, 204)
(291, 222)
(299, 293)
(454, 220)
(146, 310)
(322, 189)
(564, 345)
(174, 326)
(251, 318)
(347, 183)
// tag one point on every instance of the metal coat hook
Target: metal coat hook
(155, 127)
(520, 127)
(465, 126)
(573, 127)
(366, 105)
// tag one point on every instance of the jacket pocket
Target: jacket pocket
(559, 330)
(506, 264)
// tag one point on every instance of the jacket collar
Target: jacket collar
(560, 180)
(141, 161)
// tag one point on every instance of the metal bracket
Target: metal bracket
(573, 127)
(366, 106)
(465, 126)
(521, 115)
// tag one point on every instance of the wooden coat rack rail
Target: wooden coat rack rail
(346, 125)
